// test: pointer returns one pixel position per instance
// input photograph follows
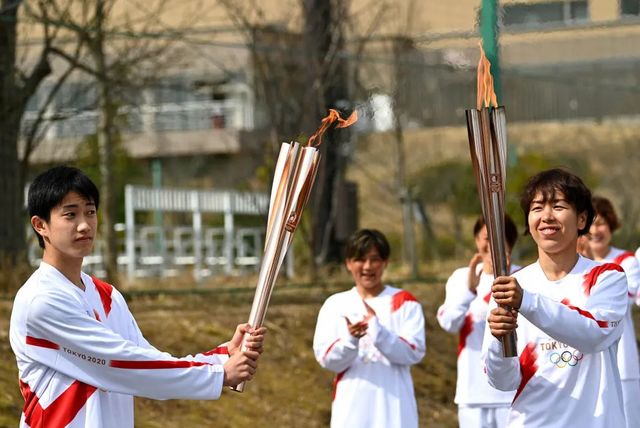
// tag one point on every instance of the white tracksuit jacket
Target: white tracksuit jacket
(568, 331)
(373, 386)
(465, 313)
(81, 356)
(627, 348)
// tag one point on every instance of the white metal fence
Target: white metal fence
(205, 248)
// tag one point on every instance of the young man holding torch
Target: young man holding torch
(568, 312)
(370, 336)
(81, 356)
(464, 311)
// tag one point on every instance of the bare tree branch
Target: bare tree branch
(33, 136)
(43, 68)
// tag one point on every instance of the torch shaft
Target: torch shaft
(287, 203)
(280, 204)
(487, 144)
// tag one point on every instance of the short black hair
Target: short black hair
(49, 189)
(363, 240)
(510, 229)
(551, 181)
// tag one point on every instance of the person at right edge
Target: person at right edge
(600, 249)
(568, 313)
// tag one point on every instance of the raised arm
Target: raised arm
(61, 335)
(216, 355)
(458, 298)
(590, 328)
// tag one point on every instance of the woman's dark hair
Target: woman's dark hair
(553, 181)
(510, 229)
(363, 240)
(49, 189)
(604, 208)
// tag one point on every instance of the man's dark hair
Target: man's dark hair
(49, 189)
(363, 240)
(604, 208)
(510, 229)
(550, 182)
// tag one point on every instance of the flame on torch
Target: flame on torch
(333, 116)
(486, 95)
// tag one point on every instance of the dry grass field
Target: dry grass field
(290, 389)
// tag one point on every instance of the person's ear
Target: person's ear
(582, 220)
(39, 225)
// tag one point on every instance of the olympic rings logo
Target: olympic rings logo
(566, 358)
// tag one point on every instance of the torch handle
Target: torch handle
(240, 387)
(509, 343)
(263, 291)
(502, 268)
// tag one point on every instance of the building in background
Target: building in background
(562, 59)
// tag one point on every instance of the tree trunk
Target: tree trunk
(12, 221)
(107, 193)
(323, 39)
(106, 115)
(12, 224)
(410, 255)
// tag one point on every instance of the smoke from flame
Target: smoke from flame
(486, 94)
(327, 121)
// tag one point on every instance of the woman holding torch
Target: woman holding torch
(568, 312)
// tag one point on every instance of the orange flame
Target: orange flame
(327, 121)
(486, 95)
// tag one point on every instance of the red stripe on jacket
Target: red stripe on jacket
(591, 278)
(400, 298)
(61, 411)
(408, 343)
(336, 380)
(220, 350)
(622, 257)
(330, 347)
(104, 290)
(43, 343)
(465, 331)
(155, 365)
(487, 297)
(528, 367)
(602, 324)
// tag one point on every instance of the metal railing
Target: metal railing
(205, 248)
(188, 116)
